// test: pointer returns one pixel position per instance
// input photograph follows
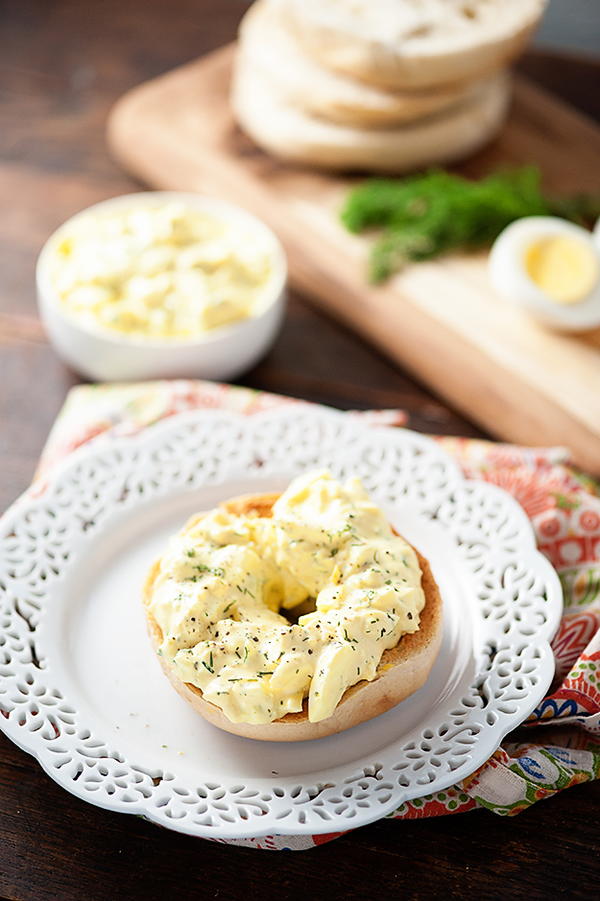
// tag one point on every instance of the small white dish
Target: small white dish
(105, 355)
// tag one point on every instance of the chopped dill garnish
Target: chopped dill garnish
(203, 568)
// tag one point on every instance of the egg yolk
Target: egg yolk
(563, 268)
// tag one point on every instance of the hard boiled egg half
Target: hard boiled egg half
(550, 268)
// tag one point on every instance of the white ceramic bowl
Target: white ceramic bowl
(221, 353)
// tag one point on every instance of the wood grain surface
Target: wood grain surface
(440, 319)
(63, 64)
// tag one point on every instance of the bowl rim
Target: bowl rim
(47, 295)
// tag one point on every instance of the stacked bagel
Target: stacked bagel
(382, 85)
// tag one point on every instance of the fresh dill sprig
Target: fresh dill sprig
(426, 215)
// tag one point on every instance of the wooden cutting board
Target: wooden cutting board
(439, 319)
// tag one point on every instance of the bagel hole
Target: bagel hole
(293, 614)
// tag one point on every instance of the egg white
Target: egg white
(511, 281)
(596, 234)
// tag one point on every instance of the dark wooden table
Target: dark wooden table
(62, 65)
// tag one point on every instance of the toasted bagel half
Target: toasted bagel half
(402, 670)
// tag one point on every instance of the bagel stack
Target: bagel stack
(379, 85)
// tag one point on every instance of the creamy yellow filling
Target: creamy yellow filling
(562, 267)
(168, 270)
(222, 585)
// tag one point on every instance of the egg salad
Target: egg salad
(230, 588)
(160, 270)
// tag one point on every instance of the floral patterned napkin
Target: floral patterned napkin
(559, 745)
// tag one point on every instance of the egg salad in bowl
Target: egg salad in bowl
(135, 286)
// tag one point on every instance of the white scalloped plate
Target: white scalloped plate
(82, 691)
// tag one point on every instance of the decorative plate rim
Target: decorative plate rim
(123, 459)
